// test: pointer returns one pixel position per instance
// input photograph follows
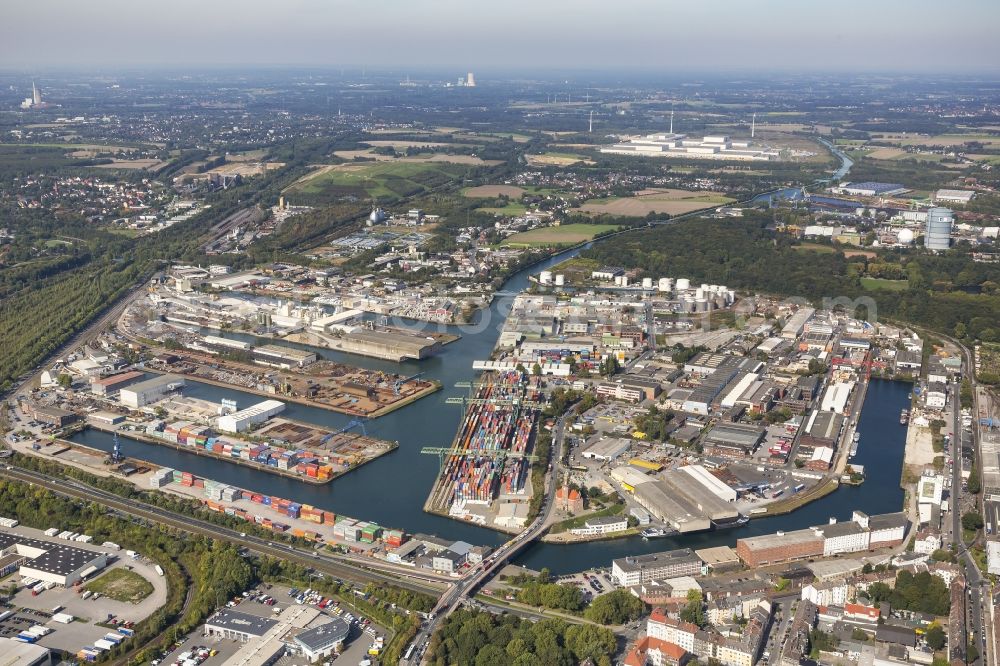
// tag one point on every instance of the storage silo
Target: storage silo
(937, 235)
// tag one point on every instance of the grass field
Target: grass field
(387, 181)
(557, 159)
(567, 234)
(576, 269)
(511, 210)
(493, 191)
(121, 585)
(814, 247)
(888, 285)
(668, 201)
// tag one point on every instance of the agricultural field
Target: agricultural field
(512, 209)
(566, 234)
(382, 181)
(668, 201)
(370, 154)
(121, 585)
(557, 159)
(991, 140)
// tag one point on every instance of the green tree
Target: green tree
(586, 641)
(617, 607)
(935, 637)
(694, 610)
(64, 380)
(972, 521)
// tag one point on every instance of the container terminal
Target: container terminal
(484, 475)
(282, 447)
(272, 512)
(157, 412)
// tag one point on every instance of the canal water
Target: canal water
(391, 490)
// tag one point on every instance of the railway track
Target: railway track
(320, 562)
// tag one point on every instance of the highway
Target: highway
(321, 562)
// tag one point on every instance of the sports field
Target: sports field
(567, 234)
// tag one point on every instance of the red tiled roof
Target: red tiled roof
(858, 609)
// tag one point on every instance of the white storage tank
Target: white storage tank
(624, 280)
(545, 277)
(560, 280)
(647, 283)
(683, 284)
(699, 293)
(664, 284)
(618, 280)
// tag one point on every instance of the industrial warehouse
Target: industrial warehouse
(48, 562)
(679, 145)
(859, 534)
(298, 630)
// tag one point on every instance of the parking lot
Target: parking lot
(268, 601)
(28, 609)
(591, 583)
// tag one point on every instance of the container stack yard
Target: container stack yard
(484, 462)
(286, 448)
(301, 520)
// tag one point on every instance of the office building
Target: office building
(237, 626)
(633, 570)
(322, 641)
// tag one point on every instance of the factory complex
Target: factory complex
(859, 534)
(720, 147)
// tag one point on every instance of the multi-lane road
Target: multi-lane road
(975, 622)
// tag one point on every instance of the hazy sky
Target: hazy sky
(658, 35)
